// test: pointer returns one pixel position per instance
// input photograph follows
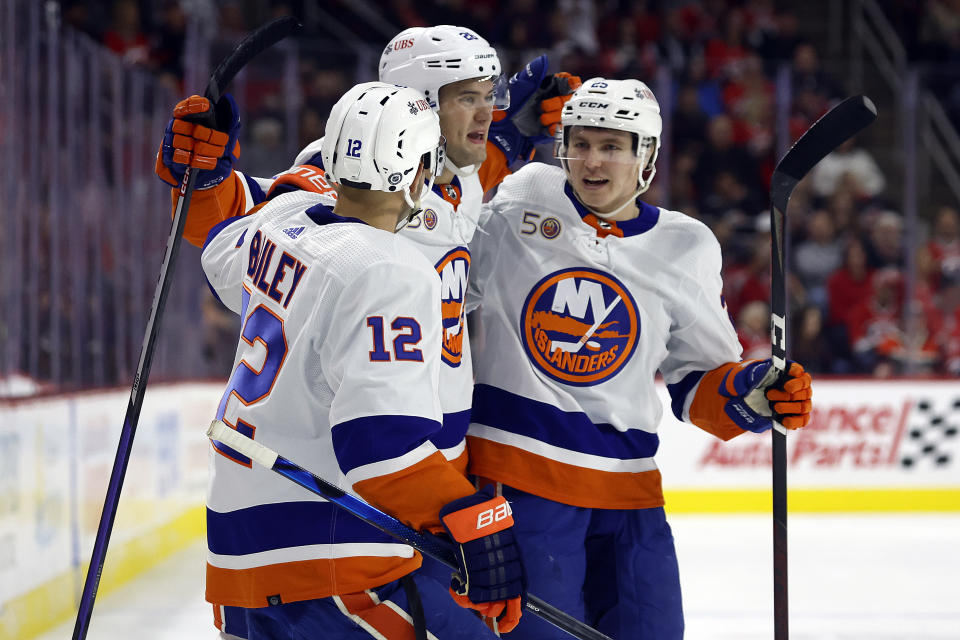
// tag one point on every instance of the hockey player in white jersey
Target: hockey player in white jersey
(337, 366)
(586, 292)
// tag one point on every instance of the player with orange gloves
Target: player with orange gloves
(585, 293)
(342, 316)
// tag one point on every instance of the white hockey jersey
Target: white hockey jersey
(337, 368)
(577, 317)
(442, 232)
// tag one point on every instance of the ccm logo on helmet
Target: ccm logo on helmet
(595, 105)
(494, 514)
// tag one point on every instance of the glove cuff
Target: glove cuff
(476, 516)
(506, 137)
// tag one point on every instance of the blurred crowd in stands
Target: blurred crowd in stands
(859, 305)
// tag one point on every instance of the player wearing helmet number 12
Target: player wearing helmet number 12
(587, 292)
(340, 348)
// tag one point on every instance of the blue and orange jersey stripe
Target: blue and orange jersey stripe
(563, 456)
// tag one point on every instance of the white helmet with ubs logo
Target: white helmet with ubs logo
(427, 58)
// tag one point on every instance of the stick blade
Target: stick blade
(833, 128)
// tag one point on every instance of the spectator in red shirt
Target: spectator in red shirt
(944, 244)
(725, 52)
(849, 285)
(948, 336)
(744, 283)
(874, 323)
(753, 330)
(125, 35)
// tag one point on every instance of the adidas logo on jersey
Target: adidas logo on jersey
(293, 232)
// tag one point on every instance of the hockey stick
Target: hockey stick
(825, 135)
(252, 45)
(426, 543)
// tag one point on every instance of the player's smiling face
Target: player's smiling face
(602, 167)
(466, 110)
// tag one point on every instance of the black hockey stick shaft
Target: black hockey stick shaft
(259, 40)
(425, 543)
(840, 123)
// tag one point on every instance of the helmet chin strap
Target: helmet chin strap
(610, 214)
(413, 206)
(409, 213)
(462, 172)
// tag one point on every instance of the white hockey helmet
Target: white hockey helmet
(376, 136)
(626, 105)
(427, 58)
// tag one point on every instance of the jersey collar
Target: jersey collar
(321, 214)
(450, 191)
(649, 215)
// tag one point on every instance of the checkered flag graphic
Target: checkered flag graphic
(932, 436)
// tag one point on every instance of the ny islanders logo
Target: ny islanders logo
(453, 269)
(579, 326)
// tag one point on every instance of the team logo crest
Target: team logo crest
(579, 326)
(395, 178)
(429, 219)
(453, 269)
(550, 228)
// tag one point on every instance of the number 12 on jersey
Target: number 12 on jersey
(408, 336)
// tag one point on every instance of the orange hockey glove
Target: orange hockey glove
(551, 108)
(758, 392)
(186, 142)
(491, 576)
(536, 99)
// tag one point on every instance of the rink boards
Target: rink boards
(872, 446)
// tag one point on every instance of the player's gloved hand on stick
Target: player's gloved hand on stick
(491, 576)
(536, 101)
(188, 142)
(758, 392)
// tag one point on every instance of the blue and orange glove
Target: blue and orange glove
(491, 577)
(536, 102)
(210, 149)
(757, 393)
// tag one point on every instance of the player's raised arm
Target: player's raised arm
(533, 117)
(221, 192)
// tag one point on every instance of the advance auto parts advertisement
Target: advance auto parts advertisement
(871, 445)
